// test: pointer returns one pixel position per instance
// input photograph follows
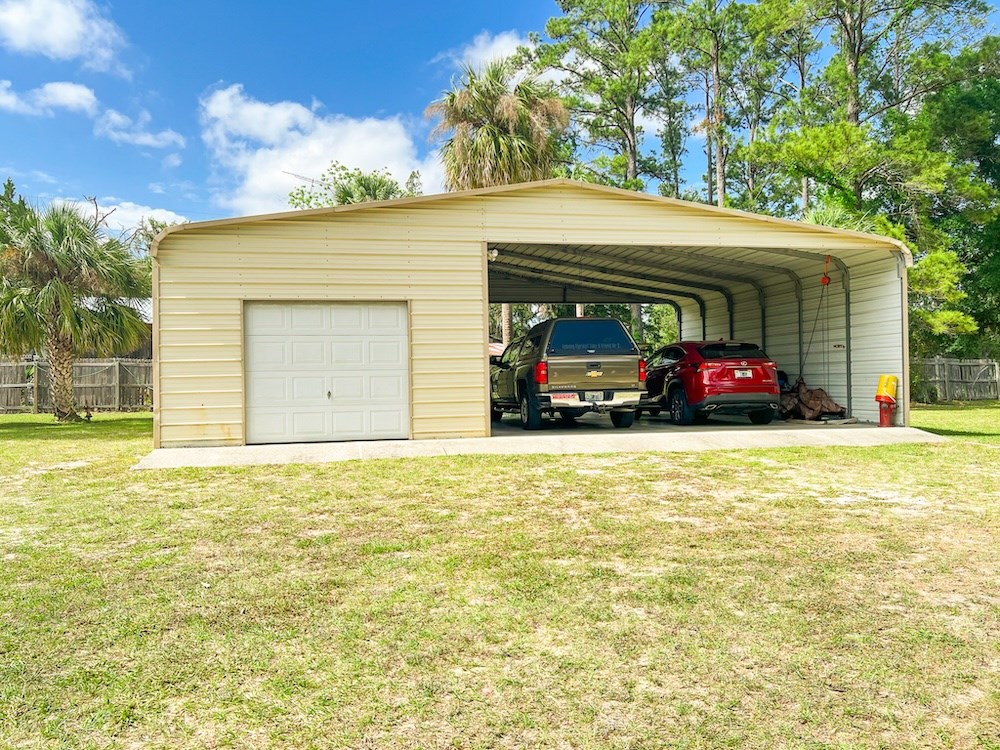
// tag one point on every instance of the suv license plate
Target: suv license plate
(593, 395)
(742, 374)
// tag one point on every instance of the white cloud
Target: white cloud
(123, 129)
(47, 98)
(171, 161)
(483, 48)
(126, 216)
(255, 144)
(72, 96)
(62, 30)
(156, 187)
(122, 216)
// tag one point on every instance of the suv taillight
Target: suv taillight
(542, 373)
(642, 371)
(709, 366)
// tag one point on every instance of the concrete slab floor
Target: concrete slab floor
(591, 434)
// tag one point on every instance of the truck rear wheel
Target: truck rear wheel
(531, 417)
(622, 418)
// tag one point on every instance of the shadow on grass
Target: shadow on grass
(103, 427)
(990, 436)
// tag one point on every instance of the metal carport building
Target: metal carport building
(369, 321)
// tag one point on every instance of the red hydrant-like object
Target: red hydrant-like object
(885, 395)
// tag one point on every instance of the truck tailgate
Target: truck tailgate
(595, 372)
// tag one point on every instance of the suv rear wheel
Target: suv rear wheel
(531, 417)
(622, 418)
(680, 412)
(762, 416)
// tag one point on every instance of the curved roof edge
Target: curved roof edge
(893, 244)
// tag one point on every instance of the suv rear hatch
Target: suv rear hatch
(731, 367)
(585, 354)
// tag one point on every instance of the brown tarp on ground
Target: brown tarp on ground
(803, 402)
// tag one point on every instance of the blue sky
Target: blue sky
(194, 110)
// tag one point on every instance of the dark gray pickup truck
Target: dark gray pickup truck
(569, 366)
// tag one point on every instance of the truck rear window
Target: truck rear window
(731, 350)
(571, 337)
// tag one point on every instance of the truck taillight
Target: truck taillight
(542, 373)
(642, 371)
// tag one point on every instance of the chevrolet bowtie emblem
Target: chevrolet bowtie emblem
(595, 373)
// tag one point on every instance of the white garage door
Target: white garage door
(319, 372)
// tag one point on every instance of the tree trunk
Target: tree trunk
(717, 117)
(581, 309)
(631, 145)
(805, 195)
(709, 176)
(636, 310)
(60, 356)
(506, 322)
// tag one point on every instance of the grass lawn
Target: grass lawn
(820, 598)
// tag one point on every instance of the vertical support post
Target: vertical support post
(947, 382)
(35, 407)
(118, 385)
(996, 378)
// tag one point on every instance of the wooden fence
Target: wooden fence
(942, 379)
(98, 385)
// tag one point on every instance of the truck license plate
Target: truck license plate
(593, 395)
(741, 374)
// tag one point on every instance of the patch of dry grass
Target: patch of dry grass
(798, 598)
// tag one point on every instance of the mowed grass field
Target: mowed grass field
(838, 598)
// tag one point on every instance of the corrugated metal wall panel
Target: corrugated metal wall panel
(877, 325)
(691, 324)
(825, 324)
(746, 316)
(782, 325)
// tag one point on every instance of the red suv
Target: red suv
(696, 378)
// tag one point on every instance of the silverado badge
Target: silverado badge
(595, 373)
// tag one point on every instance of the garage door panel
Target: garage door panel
(347, 318)
(264, 353)
(348, 386)
(263, 389)
(309, 352)
(318, 372)
(386, 423)
(308, 389)
(387, 318)
(309, 320)
(264, 319)
(386, 353)
(310, 425)
(391, 387)
(349, 422)
(349, 352)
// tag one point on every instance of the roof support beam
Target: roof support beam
(644, 271)
(589, 282)
(649, 291)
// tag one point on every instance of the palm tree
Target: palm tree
(502, 126)
(65, 289)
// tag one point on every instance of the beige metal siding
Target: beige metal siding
(430, 254)
(877, 313)
(204, 277)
